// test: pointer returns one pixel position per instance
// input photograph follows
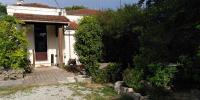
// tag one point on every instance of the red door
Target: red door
(40, 42)
(41, 56)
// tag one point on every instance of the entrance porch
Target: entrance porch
(46, 38)
(46, 44)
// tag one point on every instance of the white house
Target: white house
(49, 31)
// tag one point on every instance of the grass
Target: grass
(95, 96)
(108, 91)
(99, 92)
(96, 91)
(105, 93)
(4, 91)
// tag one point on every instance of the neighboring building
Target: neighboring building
(49, 31)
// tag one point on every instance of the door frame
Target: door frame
(40, 55)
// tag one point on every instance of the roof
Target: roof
(42, 18)
(39, 5)
(82, 12)
(73, 26)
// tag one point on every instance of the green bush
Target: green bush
(13, 44)
(88, 38)
(100, 77)
(161, 75)
(109, 74)
(133, 78)
(96, 73)
(113, 72)
(88, 46)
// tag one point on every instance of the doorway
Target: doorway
(40, 42)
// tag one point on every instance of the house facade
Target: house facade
(50, 32)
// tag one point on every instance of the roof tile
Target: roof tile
(41, 18)
(83, 12)
(73, 26)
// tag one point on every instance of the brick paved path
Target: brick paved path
(42, 76)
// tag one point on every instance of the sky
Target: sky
(94, 4)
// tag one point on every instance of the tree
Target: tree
(13, 44)
(170, 37)
(149, 3)
(121, 29)
(2, 10)
(75, 7)
(88, 44)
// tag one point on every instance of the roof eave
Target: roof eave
(52, 22)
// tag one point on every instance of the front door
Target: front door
(40, 42)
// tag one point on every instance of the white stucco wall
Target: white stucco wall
(69, 46)
(74, 18)
(34, 10)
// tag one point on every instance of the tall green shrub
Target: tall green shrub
(13, 44)
(88, 44)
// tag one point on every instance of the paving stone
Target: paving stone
(46, 75)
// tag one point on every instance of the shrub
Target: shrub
(88, 38)
(161, 75)
(158, 75)
(13, 44)
(100, 77)
(132, 78)
(113, 72)
(109, 74)
(94, 71)
(88, 45)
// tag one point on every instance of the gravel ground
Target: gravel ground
(53, 92)
(42, 93)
